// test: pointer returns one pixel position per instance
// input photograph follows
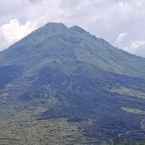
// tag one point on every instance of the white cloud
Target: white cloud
(121, 38)
(125, 42)
(14, 31)
(108, 19)
(138, 48)
(137, 44)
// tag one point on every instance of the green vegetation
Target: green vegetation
(42, 132)
(133, 110)
(129, 92)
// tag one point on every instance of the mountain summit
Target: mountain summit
(61, 72)
(55, 40)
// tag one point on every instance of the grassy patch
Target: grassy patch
(133, 110)
(129, 92)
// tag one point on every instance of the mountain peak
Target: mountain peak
(55, 40)
(53, 28)
(55, 25)
(78, 29)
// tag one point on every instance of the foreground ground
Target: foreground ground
(26, 129)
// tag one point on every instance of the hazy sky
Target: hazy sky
(121, 22)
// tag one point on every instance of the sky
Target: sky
(121, 22)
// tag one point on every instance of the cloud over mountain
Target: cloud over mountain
(107, 19)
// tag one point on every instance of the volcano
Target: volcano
(66, 72)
